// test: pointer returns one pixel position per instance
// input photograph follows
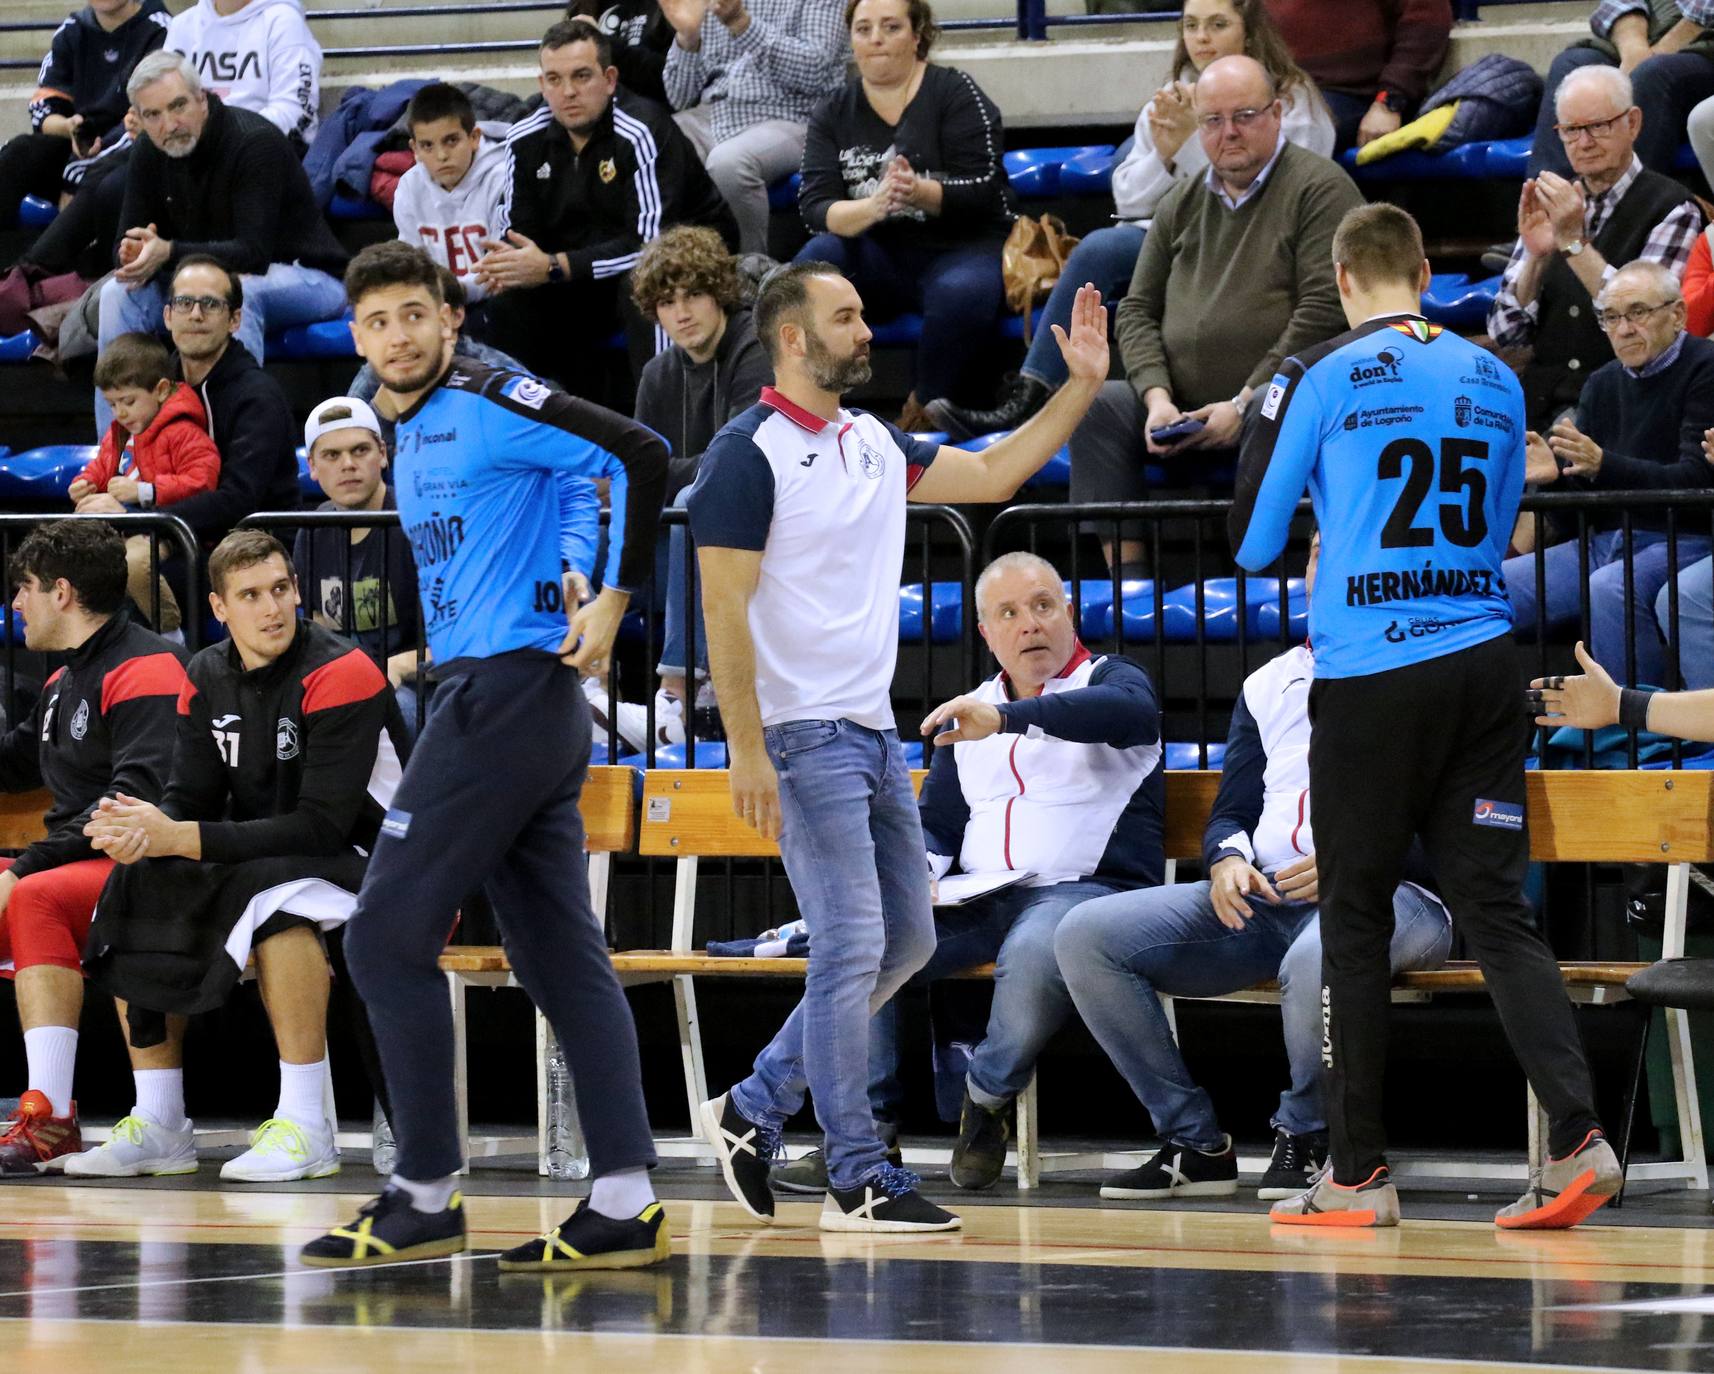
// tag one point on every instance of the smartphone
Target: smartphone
(1182, 429)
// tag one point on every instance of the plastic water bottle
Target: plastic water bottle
(382, 1150)
(568, 1156)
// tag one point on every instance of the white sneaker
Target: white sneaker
(139, 1145)
(629, 719)
(282, 1151)
(669, 717)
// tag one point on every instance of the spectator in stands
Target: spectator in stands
(1253, 918)
(744, 76)
(640, 35)
(220, 180)
(1695, 623)
(596, 173)
(686, 281)
(1046, 786)
(77, 112)
(1572, 234)
(1669, 56)
(904, 192)
(252, 422)
(285, 761)
(103, 724)
(455, 198)
(1165, 151)
(256, 55)
(1235, 275)
(1374, 60)
(1639, 426)
(157, 452)
(360, 583)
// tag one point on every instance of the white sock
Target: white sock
(51, 1052)
(622, 1195)
(427, 1197)
(302, 1095)
(160, 1097)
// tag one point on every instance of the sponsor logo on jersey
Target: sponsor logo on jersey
(1380, 417)
(1461, 406)
(1276, 394)
(543, 172)
(80, 720)
(1384, 367)
(444, 437)
(286, 739)
(1498, 815)
(606, 170)
(526, 391)
(396, 823)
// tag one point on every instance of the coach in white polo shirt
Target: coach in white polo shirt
(799, 518)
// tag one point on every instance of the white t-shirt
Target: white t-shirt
(824, 504)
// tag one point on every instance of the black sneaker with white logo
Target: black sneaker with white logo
(1297, 1160)
(745, 1151)
(1179, 1171)
(886, 1201)
(979, 1154)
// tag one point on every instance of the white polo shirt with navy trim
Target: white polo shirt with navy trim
(823, 501)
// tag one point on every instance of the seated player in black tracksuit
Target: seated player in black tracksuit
(285, 761)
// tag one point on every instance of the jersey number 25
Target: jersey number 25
(1465, 523)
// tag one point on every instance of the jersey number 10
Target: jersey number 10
(1465, 525)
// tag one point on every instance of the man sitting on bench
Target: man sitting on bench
(1045, 792)
(1252, 919)
(285, 761)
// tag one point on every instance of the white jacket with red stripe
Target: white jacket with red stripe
(1262, 810)
(1070, 788)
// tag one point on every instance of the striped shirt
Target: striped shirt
(791, 55)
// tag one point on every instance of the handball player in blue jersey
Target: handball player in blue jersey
(486, 464)
(1410, 441)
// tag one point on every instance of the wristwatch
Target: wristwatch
(1573, 248)
(555, 271)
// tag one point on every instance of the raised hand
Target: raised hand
(1588, 702)
(1085, 348)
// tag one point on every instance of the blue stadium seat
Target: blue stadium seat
(36, 213)
(42, 474)
(1220, 608)
(946, 618)
(782, 195)
(1454, 300)
(1505, 158)
(323, 339)
(308, 488)
(1089, 173)
(1187, 756)
(1012, 326)
(1092, 604)
(1034, 172)
(1265, 614)
(1467, 161)
(1701, 762)
(345, 206)
(18, 348)
(1137, 602)
(902, 331)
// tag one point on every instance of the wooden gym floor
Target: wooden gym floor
(174, 1276)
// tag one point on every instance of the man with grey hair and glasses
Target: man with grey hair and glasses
(209, 178)
(1638, 426)
(1573, 233)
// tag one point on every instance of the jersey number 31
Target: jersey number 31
(1464, 524)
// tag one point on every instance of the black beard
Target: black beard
(405, 385)
(834, 375)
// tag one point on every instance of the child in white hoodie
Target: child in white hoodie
(258, 55)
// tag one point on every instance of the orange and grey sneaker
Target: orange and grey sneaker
(1373, 1202)
(36, 1137)
(1564, 1191)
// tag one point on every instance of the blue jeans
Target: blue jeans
(1695, 623)
(1107, 257)
(1121, 954)
(853, 849)
(1665, 88)
(286, 295)
(1562, 566)
(959, 293)
(672, 662)
(1015, 929)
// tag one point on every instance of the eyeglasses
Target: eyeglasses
(1239, 119)
(1596, 128)
(1611, 319)
(186, 305)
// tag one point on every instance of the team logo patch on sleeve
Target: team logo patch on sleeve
(396, 823)
(1498, 815)
(286, 738)
(1276, 394)
(526, 391)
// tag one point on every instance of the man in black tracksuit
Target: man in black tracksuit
(287, 753)
(596, 173)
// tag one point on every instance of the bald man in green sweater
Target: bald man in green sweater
(1235, 276)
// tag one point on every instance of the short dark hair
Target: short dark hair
(234, 287)
(451, 288)
(921, 15)
(689, 257)
(139, 360)
(1379, 244)
(440, 100)
(783, 296)
(392, 263)
(569, 31)
(89, 554)
(239, 550)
